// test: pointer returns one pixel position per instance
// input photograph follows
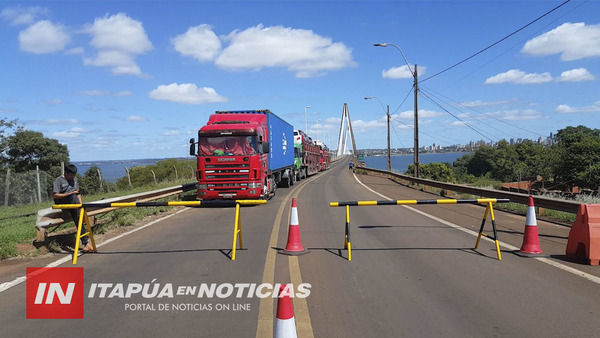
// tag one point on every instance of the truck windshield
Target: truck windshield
(227, 145)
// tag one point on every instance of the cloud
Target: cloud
(520, 115)
(573, 41)
(72, 133)
(52, 102)
(479, 103)
(105, 142)
(298, 50)
(171, 133)
(576, 75)
(402, 72)
(565, 109)
(199, 42)
(118, 40)
(519, 77)
(103, 93)
(423, 113)
(75, 51)
(360, 126)
(53, 122)
(23, 16)
(135, 118)
(186, 93)
(44, 37)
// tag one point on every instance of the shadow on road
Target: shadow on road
(225, 252)
(339, 251)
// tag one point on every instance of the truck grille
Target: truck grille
(226, 175)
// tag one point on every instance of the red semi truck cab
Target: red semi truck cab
(233, 151)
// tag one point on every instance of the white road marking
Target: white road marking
(19, 280)
(550, 262)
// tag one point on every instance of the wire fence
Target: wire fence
(24, 187)
(35, 186)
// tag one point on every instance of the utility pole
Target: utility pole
(416, 151)
(388, 139)
(416, 90)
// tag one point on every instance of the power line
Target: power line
(394, 129)
(495, 43)
(488, 115)
(406, 97)
(456, 117)
(473, 117)
(515, 45)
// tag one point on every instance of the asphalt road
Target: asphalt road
(413, 273)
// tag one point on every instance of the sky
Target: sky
(117, 80)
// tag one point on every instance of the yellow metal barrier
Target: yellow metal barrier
(83, 216)
(489, 209)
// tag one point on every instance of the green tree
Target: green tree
(459, 168)
(27, 149)
(90, 183)
(5, 125)
(483, 162)
(536, 158)
(506, 163)
(435, 171)
(578, 157)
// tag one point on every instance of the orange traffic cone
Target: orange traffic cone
(285, 326)
(531, 241)
(294, 244)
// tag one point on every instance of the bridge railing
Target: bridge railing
(540, 201)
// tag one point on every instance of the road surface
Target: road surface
(414, 273)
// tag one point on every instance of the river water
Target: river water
(400, 163)
(113, 170)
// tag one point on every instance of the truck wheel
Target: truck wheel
(285, 182)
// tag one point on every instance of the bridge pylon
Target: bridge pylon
(345, 134)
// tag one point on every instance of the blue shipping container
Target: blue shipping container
(281, 143)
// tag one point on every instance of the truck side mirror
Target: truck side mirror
(192, 148)
(265, 147)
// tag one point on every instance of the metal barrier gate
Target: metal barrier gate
(83, 216)
(489, 209)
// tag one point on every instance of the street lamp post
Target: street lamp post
(416, 90)
(318, 120)
(389, 162)
(305, 120)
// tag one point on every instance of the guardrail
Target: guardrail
(540, 201)
(47, 218)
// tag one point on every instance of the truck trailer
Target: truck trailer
(243, 154)
(308, 155)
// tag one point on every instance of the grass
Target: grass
(18, 222)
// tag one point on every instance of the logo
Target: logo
(225, 159)
(284, 144)
(55, 293)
